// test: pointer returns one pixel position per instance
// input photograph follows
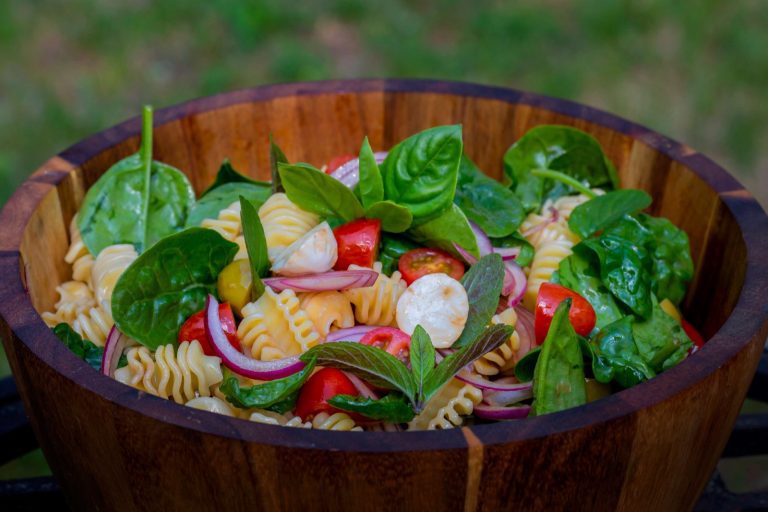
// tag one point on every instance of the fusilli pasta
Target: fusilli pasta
(338, 421)
(503, 357)
(327, 310)
(211, 404)
(75, 298)
(273, 418)
(545, 261)
(446, 408)
(284, 223)
(377, 304)
(109, 266)
(229, 225)
(78, 255)
(94, 324)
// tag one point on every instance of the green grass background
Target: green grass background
(695, 70)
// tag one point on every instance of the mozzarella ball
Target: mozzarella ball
(313, 253)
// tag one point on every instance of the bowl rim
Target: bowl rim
(748, 320)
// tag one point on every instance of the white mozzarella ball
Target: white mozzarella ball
(312, 253)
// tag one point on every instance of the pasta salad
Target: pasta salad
(392, 290)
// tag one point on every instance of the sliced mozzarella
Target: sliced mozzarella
(312, 253)
(439, 304)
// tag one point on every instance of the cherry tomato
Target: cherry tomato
(322, 385)
(582, 315)
(696, 338)
(338, 161)
(358, 243)
(194, 329)
(391, 340)
(420, 262)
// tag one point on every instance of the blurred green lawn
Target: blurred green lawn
(696, 71)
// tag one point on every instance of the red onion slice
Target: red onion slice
(325, 281)
(515, 283)
(355, 333)
(349, 172)
(506, 398)
(490, 412)
(484, 384)
(525, 331)
(361, 386)
(113, 349)
(239, 362)
(468, 258)
(484, 245)
(507, 253)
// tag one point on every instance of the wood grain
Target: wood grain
(652, 447)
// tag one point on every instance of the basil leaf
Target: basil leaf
(557, 148)
(266, 395)
(486, 202)
(616, 356)
(601, 211)
(168, 284)
(394, 218)
(420, 172)
(672, 267)
(516, 240)
(276, 157)
(228, 175)
(489, 340)
(526, 366)
(209, 206)
(371, 186)
(422, 360)
(558, 380)
(442, 232)
(137, 201)
(285, 405)
(394, 407)
(369, 363)
(483, 282)
(256, 244)
(84, 349)
(314, 191)
(390, 249)
(660, 339)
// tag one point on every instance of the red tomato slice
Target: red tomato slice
(391, 340)
(337, 162)
(322, 385)
(420, 262)
(194, 329)
(582, 315)
(358, 243)
(696, 338)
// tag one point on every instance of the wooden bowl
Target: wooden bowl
(652, 447)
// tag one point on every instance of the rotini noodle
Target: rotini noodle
(94, 324)
(211, 404)
(284, 223)
(75, 298)
(504, 357)
(545, 262)
(109, 266)
(227, 223)
(377, 304)
(338, 421)
(446, 408)
(273, 418)
(327, 310)
(78, 255)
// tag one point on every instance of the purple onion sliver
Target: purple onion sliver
(471, 260)
(490, 412)
(113, 349)
(482, 383)
(519, 282)
(361, 386)
(350, 334)
(506, 398)
(484, 245)
(507, 253)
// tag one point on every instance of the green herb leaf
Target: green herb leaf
(369, 363)
(602, 211)
(443, 231)
(525, 367)
(314, 191)
(394, 407)
(516, 240)
(168, 284)
(227, 175)
(391, 248)
(616, 356)
(84, 349)
(209, 206)
(371, 186)
(256, 244)
(660, 339)
(420, 173)
(276, 157)
(422, 360)
(268, 394)
(394, 218)
(483, 283)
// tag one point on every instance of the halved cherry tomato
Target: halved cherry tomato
(194, 329)
(582, 315)
(337, 162)
(420, 262)
(358, 243)
(322, 385)
(696, 338)
(391, 340)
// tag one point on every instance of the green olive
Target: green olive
(235, 284)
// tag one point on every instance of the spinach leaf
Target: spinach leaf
(137, 201)
(616, 356)
(264, 395)
(526, 366)
(390, 249)
(169, 283)
(394, 407)
(227, 175)
(371, 186)
(442, 232)
(672, 265)
(660, 340)
(314, 191)
(84, 349)
(420, 172)
(394, 218)
(209, 206)
(486, 202)
(422, 360)
(276, 157)
(483, 283)
(556, 148)
(256, 244)
(558, 380)
(516, 240)
(601, 211)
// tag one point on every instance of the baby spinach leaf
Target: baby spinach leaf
(391, 248)
(256, 244)
(209, 206)
(616, 356)
(394, 407)
(371, 186)
(227, 175)
(671, 255)
(137, 201)
(420, 172)
(169, 283)
(314, 191)
(556, 148)
(516, 240)
(394, 218)
(442, 232)
(84, 349)
(660, 339)
(266, 395)
(526, 366)
(422, 360)
(558, 380)
(483, 283)
(276, 157)
(602, 211)
(485, 201)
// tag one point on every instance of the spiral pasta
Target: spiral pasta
(229, 224)
(545, 262)
(211, 404)
(180, 375)
(75, 298)
(275, 326)
(107, 269)
(78, 255)
(566, 204)
(377, 304)
(273, 418)
(327, 310)
(504, 357)
(338, 421)
(284, 223)
(446, 408)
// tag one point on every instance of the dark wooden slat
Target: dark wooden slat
(31, 494)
